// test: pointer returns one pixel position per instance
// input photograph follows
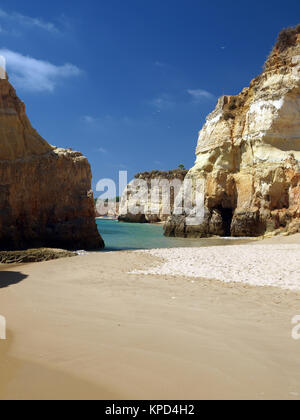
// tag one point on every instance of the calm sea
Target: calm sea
(134, 236)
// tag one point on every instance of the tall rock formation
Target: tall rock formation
(154, 195)
(248, 154)
(45, 192)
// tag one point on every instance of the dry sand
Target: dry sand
(264, 265)
(84, 328)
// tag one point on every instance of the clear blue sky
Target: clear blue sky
(130, 82)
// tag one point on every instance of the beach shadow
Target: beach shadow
(9, 278)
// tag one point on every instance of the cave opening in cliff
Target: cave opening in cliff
(227, 216)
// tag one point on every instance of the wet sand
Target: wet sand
(83, 328)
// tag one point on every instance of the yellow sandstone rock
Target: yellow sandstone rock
(45, 192)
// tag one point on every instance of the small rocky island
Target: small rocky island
(146, 203)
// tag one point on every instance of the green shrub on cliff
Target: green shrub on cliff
(287, 38)
(172, 174)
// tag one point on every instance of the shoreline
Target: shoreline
(106, 218)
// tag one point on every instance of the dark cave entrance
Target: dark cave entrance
(227, 216)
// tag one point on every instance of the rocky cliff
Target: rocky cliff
(45, 192)
(155, 189)
(248, 154)
(107, 209)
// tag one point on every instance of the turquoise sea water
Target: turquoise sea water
(130, 236)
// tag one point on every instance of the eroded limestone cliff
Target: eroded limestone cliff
(248, 154)
(45, 192)
(157, 194)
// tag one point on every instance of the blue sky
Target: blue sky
(130, 82)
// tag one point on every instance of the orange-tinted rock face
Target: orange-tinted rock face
(248, 154)
(45, 192)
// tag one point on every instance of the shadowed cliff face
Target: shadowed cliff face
(45, 192)
(248, 155)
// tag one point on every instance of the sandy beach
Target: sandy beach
(265, 265)
(84, 328)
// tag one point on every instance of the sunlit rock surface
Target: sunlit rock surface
(45, 192)
(248, 155)
(156, 191)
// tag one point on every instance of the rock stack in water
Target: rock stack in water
(248, 154)
(153, 196)
(45, 192)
